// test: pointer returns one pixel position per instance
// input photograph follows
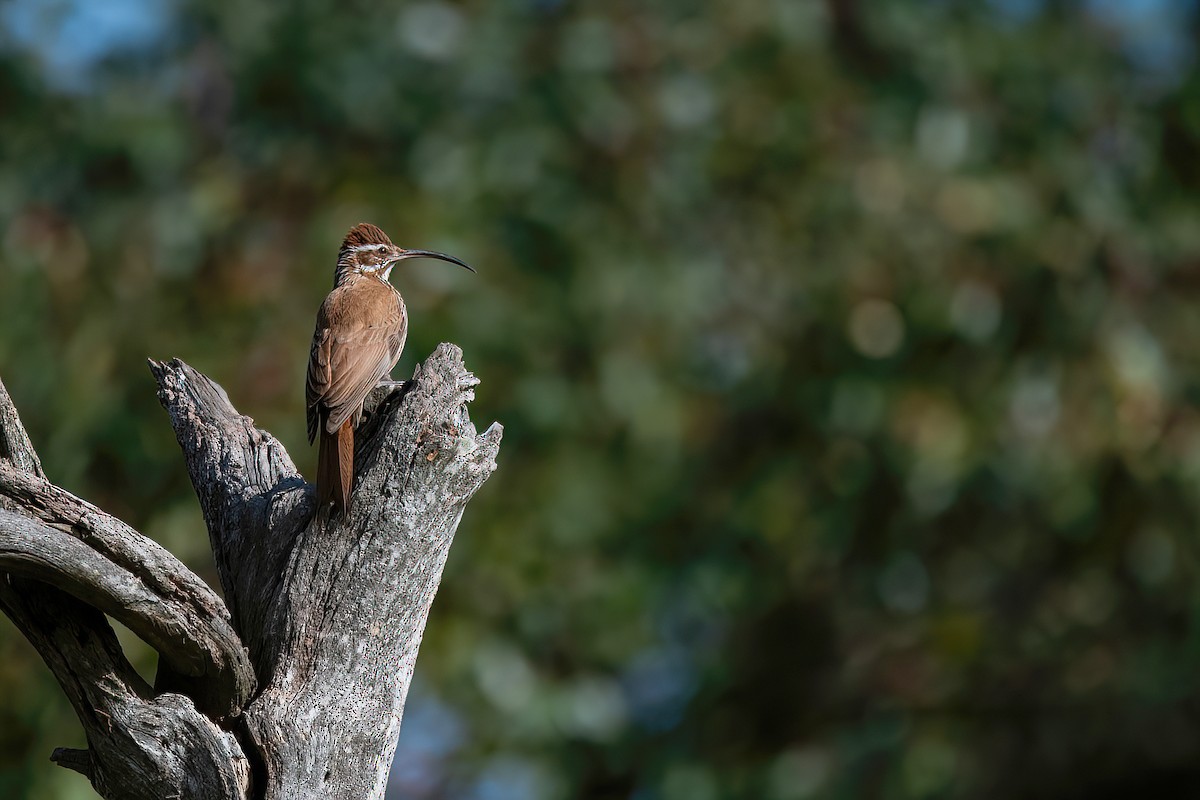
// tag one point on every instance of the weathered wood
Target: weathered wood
(15, 447)
(66, 542)
(141, 746)
(330, 610)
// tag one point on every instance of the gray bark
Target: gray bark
(294, 686)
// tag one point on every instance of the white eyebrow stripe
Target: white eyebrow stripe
(361, 247)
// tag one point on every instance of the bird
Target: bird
(360, 332)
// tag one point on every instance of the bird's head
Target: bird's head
(366, 250)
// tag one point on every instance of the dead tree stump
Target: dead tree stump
(293, 687)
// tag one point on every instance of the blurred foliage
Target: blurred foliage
(846, 354)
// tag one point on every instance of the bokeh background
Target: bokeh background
(847, 354)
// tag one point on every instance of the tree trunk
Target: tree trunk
(293, 687)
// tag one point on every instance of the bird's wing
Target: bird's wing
(318, 378)
(348, 359)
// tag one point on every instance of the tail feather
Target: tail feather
(335, 467)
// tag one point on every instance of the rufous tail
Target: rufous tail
(335, 468)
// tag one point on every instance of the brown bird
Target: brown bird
(360, 333)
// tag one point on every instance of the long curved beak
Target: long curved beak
(430, 254)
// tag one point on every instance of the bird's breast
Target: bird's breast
(365, 302)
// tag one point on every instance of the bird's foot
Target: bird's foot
(384, 391)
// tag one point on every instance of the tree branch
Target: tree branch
(141, 746)
(15, 446)
(252, 496)
(152, 594)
